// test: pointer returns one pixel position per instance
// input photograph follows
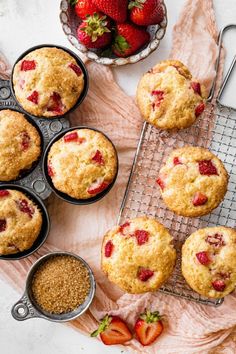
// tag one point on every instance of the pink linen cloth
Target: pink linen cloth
(189, 327)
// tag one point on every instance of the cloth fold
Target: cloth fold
(189, 327)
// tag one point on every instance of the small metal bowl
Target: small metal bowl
(80, 64)
(64, 196)
(45, 225)
(27, 308)
(70, 23)
(25, 173)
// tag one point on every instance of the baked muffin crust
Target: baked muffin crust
(48, 82)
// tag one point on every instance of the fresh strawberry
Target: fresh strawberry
(75, 68)
(196, 87)
(4, 193)
(97, 187)
(148, 327)
(25, 141)
(34, 97)
(113, 330)
(207, 168)
(146, 12)
(203, 258)
(215, 240)
(98, 158)
(199, 109)
(109, 248)
(123, 228)
(27, 65)
(129, 38)
(3, 225)
(219, 285)
(161, 183)
(142, 236)
(55, 104)
(116, 9)
(94, 32)
(83, 8)
(144, 274)
(176, 161)
(199, 199)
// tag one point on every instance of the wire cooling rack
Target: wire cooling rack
(215, 130)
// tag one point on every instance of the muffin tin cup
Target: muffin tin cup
(27, 308)
(35, 164)
(64, 196)
(45, 224)
(79, 62)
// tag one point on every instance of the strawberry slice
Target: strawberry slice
(218, 285)
(144, 274)
(203, 258)
(196, 87)
(123, 228)
(25, 141)
(199, 199)
(4, 193)
(113, 330)
(159, 97)
(216, 240)
(98, 158)
(34, 97)
(25, 207)
(75, 68)
(148, 327)
(109, 248)
(206, 168)
(161, 183)
(55, 104)
(27, 65)
(50, 169)
(176, 161)
(3, 225)
(97, 187)
(199, 109)
(142, 236)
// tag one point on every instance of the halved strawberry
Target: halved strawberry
(196, 87)
(25, 141)
(109, 248)
(3, 225)
(203, 258)
(216, 240)
(219, 285)
(27, 65)
(176, 161)
(4, 193)
(142, 236)
(206, 168)
(199, 109)
(123, 228)
(161, 183)
(98, 158)
(144, 274)
(97, 187)
(75, 68)
(55, 104)
(148, 327)
(113, 330)
(199, 199)
(34, 97)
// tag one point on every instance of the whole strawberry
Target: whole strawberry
(129, 38)
(148, 327)
(146, 12)
(116, 9)
(94, 32)
(83, 8)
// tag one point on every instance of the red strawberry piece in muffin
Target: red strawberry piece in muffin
(55, 104)
(203, 258)
(109, 248)
(75, 68)
(199, 109)
(25, 141)
(142, 236)
(27, 65)
(3, 225)
(219, 285)
(216, 240)
(124, 229)
(199, 199)
(34, 97)
(4, 193)
(196, 87)
(98, 158)
(207, 168)
(144, 274)
(98, 186)
(25, 207)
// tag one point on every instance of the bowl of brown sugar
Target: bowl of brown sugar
(60, 286)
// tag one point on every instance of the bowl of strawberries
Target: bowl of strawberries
(114, 32)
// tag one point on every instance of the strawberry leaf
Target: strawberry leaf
(102, 326)
(121, 45)
(137, 3)
(150, 317)
(73, 2)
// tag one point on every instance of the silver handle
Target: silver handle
(23, 309)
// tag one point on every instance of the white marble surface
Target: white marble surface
(24, 24)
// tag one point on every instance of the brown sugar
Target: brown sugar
(61, 284)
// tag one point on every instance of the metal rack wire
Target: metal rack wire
(215, 130)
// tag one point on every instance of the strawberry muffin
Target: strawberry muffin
(139, 255)
(82, 164)
(48, 82)
(20, 145)
(193, 181)
(168, 97)
(20, 222)
(209, 261)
